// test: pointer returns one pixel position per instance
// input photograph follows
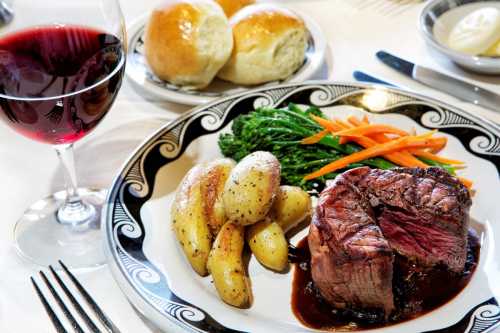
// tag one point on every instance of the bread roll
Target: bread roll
(269, 44)
(232, 6)
(187, 42)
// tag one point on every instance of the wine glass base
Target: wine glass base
(42, 239)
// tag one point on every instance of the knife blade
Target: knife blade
(460, 89)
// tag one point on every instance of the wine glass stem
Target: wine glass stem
(74, 211)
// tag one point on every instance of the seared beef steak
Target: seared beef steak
(365, 214)
(350, 259)
(424, 213)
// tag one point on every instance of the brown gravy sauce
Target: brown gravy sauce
(416, 292)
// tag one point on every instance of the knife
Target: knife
(460, 89)
(363, 77)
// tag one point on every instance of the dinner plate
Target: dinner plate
(140, 73)
(152, 271)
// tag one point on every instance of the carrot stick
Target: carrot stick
(326, 124)
(355, 121)
(434, 157)
(342, 123)
(403, 158)
(406, 142)
(310, 140)
(399, 158)
(437, 149)
(330, 125)
(381, 138)
(370, 130)
(345, 139)
(467, 183)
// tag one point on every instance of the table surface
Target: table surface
(355, 30)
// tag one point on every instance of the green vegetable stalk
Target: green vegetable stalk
(280, 132)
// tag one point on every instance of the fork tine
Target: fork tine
(76, 305)
(90, 301)
(53, 317)
(63, 306)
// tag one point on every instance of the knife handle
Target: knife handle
(363, 77)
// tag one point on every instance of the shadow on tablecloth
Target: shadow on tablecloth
(99, 159)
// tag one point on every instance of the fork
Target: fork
(105, 321)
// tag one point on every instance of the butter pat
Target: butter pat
(476, 32)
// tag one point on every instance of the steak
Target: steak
(351, 261)
(365, 214)
(423, 213)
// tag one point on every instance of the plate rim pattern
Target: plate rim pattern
(122, 221)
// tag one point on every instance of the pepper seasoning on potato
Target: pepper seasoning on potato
(251, 187)
(189, 221)
(198, 211)
(212, 187)
(225, 264)
(291, 206)
(267, 238)
(268, 243)
(245, 194)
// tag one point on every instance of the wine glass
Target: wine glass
(61, 66)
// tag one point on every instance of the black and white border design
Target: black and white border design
(132, 188)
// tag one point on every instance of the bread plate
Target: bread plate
(141, 75)
(146, 259)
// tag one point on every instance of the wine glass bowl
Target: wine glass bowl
(61, 67)
(52, 95)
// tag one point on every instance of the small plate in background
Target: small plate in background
(140, 73)
(438, 18)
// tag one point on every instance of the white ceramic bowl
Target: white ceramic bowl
(436, 21)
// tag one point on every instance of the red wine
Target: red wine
(57, 82)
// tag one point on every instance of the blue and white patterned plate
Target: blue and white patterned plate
(152, 271)
(140, 73)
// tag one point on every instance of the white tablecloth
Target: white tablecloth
(355, 30)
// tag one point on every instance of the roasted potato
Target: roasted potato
(212, 187)
(225, 263)
(250, 190)
(189, 220)
(198, 210)
(268, 243)
(291, 206)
